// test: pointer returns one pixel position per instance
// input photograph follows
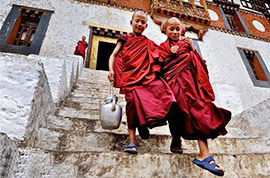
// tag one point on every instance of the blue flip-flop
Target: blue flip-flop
(129, 148)
(205, 164)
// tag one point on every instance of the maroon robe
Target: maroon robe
(149, 97)
(187, 75)
(80, 48)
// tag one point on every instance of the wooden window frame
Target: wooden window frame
(10, 29)
(256, 82)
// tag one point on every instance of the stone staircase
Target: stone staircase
(73, 144)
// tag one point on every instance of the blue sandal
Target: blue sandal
(129, 148)
(205, 164)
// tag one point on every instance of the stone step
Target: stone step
(94, 82)
(58, 139)
(81, 113)
(58, 164)
(89, 89)
(99, 96)
(89, 104)
(95, 92)
(80, 124)
(94, 74)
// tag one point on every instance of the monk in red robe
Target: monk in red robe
(148, 96)
(81, 47)
(186, 73)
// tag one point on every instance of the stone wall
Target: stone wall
(31, 87)
(253, 122)
(9, 155)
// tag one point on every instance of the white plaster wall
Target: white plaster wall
(25, 98)
(55, 69)
(6, 6)
(66, 24)
(232, 85)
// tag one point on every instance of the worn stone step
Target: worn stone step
(58, 139)
(80, 124)
(95, 82)
(81, 113)
(93, 95)
(94, 75)
(90, 89)
(58, 164)
(98, 92)
(69, 102)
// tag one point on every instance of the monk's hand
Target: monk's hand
(189, 41)
(174, 49)
(111, 75)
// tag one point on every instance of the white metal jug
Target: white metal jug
(110, 113)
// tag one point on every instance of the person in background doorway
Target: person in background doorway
(81, 47)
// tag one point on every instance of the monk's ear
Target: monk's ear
(131, 22)
(146, 26)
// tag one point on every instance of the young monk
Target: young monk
(186, 73)
(148, 96)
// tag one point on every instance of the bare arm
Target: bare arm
(112, 58)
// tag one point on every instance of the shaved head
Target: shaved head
(172, 19)
(139, 12)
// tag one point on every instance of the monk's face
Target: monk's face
(139, 23)
(173, 30)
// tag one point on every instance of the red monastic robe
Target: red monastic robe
(148, 96)
(187, 75)
(80, 48)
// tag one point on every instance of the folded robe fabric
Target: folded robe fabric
(148, 96)
(187, 75)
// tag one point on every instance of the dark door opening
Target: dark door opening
(104, 51)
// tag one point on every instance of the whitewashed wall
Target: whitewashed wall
(232, 84)
(66, 24)
(228, 74)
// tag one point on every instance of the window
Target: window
(234, 21)
(256, 68)
(24, 30)
(262, 6)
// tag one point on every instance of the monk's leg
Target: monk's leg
(175, 126)
(204, 152)
(132, 137)
(176, 146)
(131, 120)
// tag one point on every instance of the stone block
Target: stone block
(26, 99)
(9, 155)
(253, 122)
(147, 165)
(55, 69)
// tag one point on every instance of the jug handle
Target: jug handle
(113, 103)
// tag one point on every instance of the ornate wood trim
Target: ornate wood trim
(105, 31)
(239, 33)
